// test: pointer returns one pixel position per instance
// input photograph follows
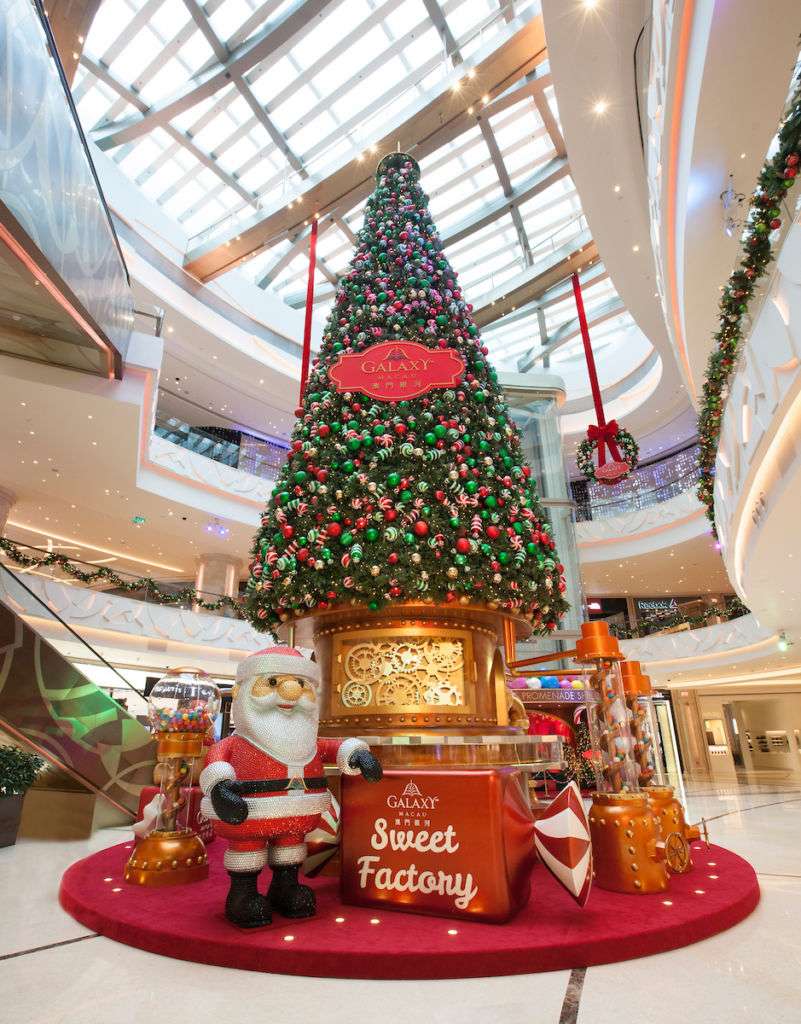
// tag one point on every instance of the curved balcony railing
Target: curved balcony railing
(25, 559)
(648, 485)
(234, 448)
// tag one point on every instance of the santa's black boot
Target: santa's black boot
(288, 896)
(245, 905)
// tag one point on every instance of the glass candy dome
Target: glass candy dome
(184, 700)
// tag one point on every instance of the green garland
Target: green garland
(629, 450)
(187, 595)
(764, 218)
(733, 609)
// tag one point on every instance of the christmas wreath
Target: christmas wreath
(622, 447)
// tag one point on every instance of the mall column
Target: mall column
(217, 575)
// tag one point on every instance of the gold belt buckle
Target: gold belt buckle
(298, 783)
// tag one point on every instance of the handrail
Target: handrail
(52, 614)
(51, 43)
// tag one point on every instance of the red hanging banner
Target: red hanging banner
(304, 366)
(602, 435)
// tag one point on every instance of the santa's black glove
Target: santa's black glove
(228, 804)
(367, 763)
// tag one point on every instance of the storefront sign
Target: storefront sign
(452, 843)
(656, 605)
(395, 370)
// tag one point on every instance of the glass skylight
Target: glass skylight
(315, 101)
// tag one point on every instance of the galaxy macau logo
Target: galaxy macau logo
(412, 800)
(410, 833)
(397, 370)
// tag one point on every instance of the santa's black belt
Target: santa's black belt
(278, 785)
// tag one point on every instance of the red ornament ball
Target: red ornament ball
(463, 545)
(420, 528)
(333, 530)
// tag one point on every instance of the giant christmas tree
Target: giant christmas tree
(393, 499)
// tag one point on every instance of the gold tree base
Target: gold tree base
(168, 858)
(410, 668)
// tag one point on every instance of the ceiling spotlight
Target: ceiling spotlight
(600, 107)
(617, 188)
(785, 643)
(635, 248)
(589, 4)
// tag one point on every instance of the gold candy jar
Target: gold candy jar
(676, 833)
(626, 842)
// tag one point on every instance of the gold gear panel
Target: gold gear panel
(402, 672)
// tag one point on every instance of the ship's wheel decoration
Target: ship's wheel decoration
(601, 436)
(677, 853)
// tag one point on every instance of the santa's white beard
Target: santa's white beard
(289, 737)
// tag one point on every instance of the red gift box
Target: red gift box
(451, 843)
(197, 821)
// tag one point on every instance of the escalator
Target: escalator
(48, 704)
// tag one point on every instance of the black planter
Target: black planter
(10, 814)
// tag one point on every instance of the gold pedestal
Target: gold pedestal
(627, 851)
(168, 858)
(410, 668)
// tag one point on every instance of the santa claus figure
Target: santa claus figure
(264, 787)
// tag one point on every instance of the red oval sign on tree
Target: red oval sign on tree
(395, 370)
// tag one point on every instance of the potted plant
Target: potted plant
(18, 770)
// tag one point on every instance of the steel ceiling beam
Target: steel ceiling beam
(551, 126)
(569, 330)
(427, 124)
(548, 175)
(270, 42)
(104, 75)
(506, 184)
(536, 279)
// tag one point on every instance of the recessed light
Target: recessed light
(635, 248)
(617, 188)
(600, 107)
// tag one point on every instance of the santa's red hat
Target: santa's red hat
(278, 661)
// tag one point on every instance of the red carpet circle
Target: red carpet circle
(551, 933)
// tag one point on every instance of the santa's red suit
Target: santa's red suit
(275, 712)
(281, 818)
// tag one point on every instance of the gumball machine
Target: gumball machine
(183, 706)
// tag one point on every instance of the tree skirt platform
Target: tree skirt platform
(551, 933)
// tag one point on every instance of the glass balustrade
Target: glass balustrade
(651, 483)
(234, 448)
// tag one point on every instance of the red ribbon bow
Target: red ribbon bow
(605, 437)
